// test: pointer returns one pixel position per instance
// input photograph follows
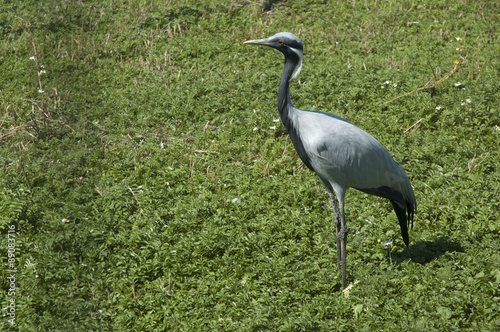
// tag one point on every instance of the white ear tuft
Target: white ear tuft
(297, 69)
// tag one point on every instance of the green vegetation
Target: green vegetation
(148, 192)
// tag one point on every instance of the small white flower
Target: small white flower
(497, 127)
(65, 220)
(468, 101)
(272, 128)
(438, 108)
(388, 242)
(32, 58)
(394, 85)
(276, 120)
(236, 200)
(458, 39)
(462, 104)
(41, 72)
(347, 290)
(255, 129)
(387, 82)
(40, 91)
(458, 84)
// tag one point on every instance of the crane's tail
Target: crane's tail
(404, 217)
(405, 211)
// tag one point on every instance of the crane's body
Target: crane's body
(342, 155)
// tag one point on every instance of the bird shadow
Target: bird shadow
(424, 252)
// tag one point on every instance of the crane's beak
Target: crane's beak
(264, 42)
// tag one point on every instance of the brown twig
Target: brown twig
(134, 195)
(426, 85)
(413, 126)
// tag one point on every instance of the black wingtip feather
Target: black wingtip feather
(404, 220)
(397, 199)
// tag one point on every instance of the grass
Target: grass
(147, 191)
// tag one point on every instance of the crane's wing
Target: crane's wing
(346, 156)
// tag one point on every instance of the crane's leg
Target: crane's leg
(342, 234)
(337, 227)
(341, 230)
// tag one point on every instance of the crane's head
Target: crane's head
(288, 44)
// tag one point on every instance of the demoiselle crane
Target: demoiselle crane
(342, 155)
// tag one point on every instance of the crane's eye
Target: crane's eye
(281, 43)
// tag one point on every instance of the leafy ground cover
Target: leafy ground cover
(150, 188)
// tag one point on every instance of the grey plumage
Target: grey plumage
(342, 155)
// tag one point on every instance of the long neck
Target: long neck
(285, 105)
(286, 108)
